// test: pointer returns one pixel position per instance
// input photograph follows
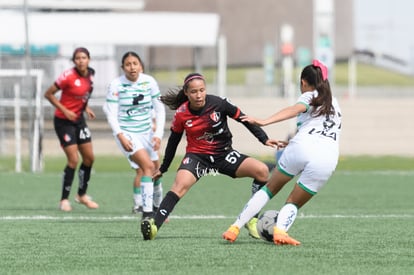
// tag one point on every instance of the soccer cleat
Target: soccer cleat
(87, 201)
(251, 226)
(231, 234)
(148, 228)
(65, 206)
(137, 209)
(280, 237)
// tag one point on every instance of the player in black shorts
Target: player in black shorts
(209, 150)
(71, 132)
(76, 85)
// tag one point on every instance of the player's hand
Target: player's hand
(126, 143)
(91, 114)
(156, 143)
(271, 142)
(282, 144)
(157, 174)
(251, 120)
(276, 143)
(70, 115)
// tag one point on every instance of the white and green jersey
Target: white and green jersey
(130, 106)
(327, 128)
(314, 150)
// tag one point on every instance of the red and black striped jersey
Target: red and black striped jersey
(206, 130)
(76, 90)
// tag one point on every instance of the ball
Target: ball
(265, 224)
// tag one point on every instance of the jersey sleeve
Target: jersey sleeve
(306, 99)
(159, 117)
(236, 113)
(176, 124)
(232, 110)
(158, 108)
(110, 108)
(155, 90)
(170, 150)
(61, 81)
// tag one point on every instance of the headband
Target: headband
(323, 68)
(193, 77)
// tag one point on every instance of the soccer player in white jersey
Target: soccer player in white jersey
(131, 101)
(312, 153)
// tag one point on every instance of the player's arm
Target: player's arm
(89, 112)
(110, 109)
(170, 150)
(159, 110)
(50, 95)
(235, 113)
(258, 132)
(284, 114)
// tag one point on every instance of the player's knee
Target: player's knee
(88, 161)
(262, 173)
(73, 163)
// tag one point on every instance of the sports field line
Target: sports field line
(376, 172)
(192, 217)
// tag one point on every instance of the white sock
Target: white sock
(287, 216)
(137, 196)
(157, 194)
(147, 192)
(253, 206)
(137, 199)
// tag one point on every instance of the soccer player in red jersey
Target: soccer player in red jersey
(76, 85)
(203, 118)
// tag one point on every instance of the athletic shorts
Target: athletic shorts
(203, 164)
(70, 132)
(315, 164)
(139, 141)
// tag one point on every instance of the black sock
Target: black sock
(256, 185)
(68, 174)
(270, 166)
(84, 176)
(166, 207)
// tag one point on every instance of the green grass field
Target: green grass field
(360, 223)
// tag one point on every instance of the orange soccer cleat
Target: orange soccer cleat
(280, 237)
(231, 234)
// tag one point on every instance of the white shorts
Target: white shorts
(139, 141)
(314, 162)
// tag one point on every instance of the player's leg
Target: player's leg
(71, 152)
(158, 190)
(259, 171)
(183, 182)
(143, 160)
(287, 215)
(256, 203)
(313, 177)
(187, 175)
(255, 169)
(66, 134)
(136, 194)
(84, 174)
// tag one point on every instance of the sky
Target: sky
(386, 27)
